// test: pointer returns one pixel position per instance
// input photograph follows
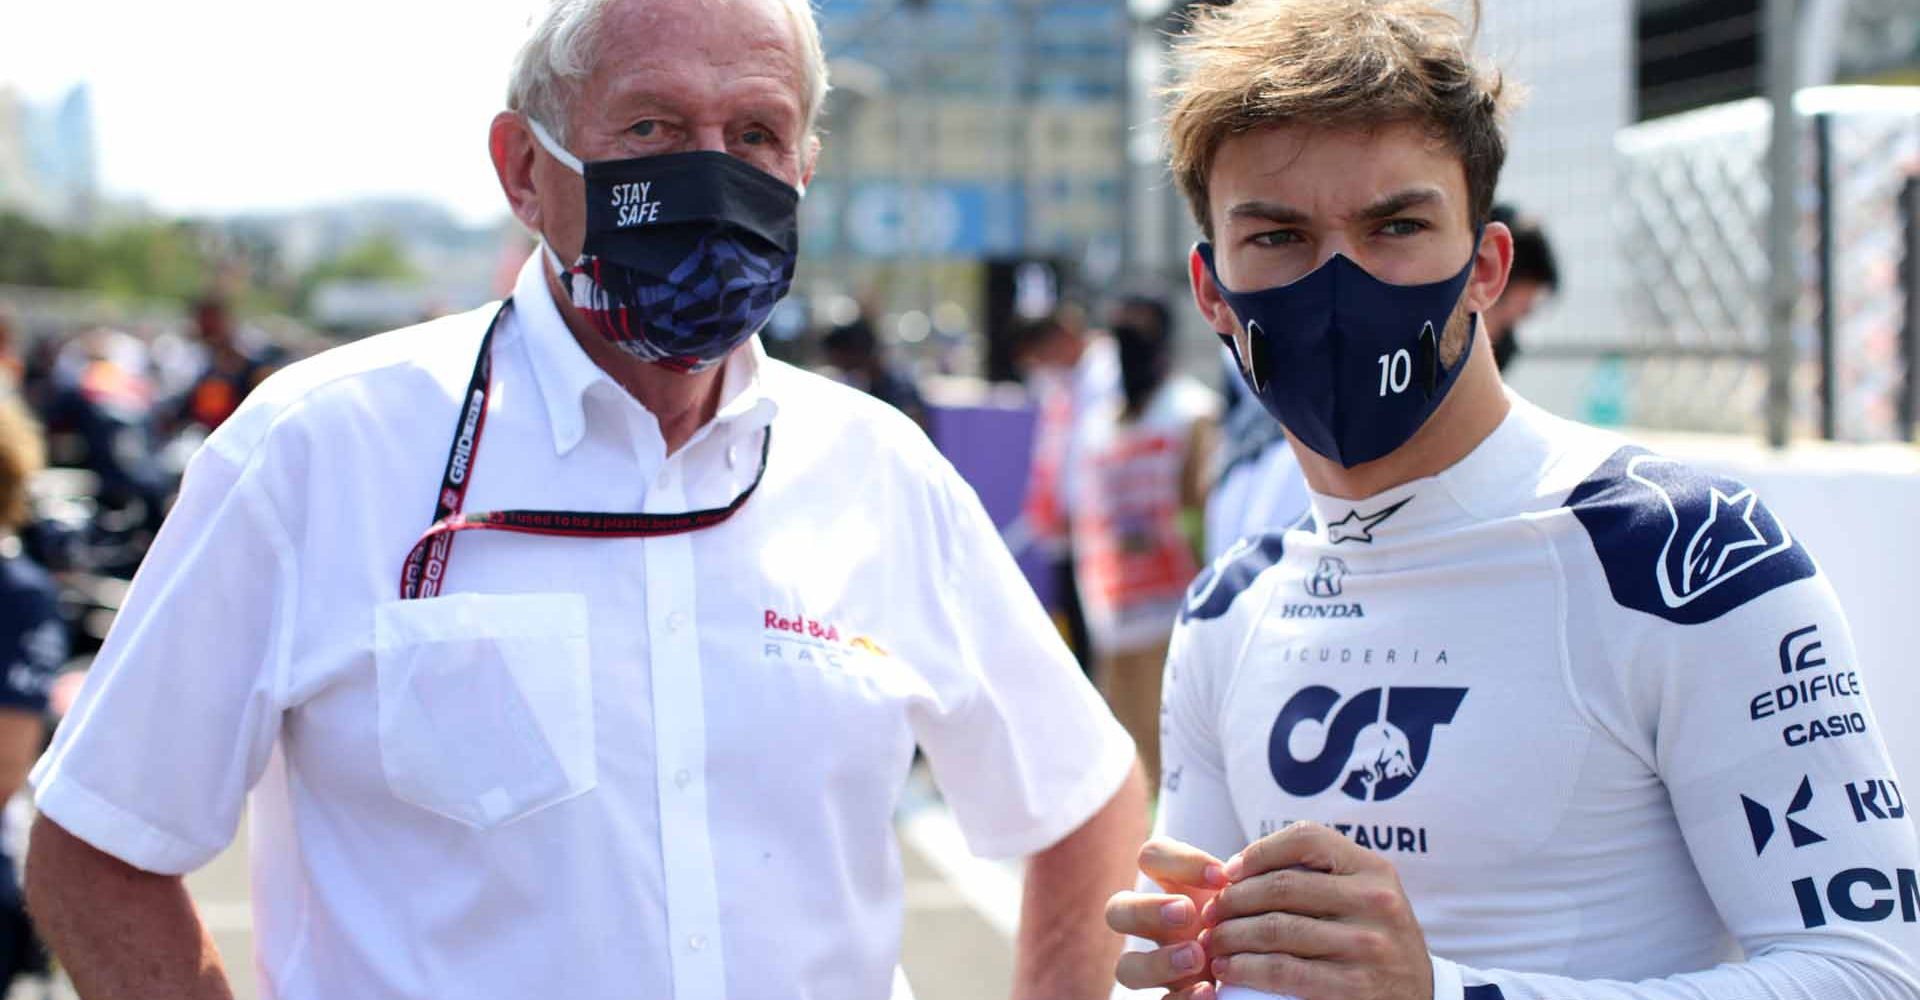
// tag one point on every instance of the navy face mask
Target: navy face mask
(685, 255)
(1348, 363)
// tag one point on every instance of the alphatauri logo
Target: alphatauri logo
(1373, 747)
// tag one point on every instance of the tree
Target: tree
(27, 252)
(376, 258)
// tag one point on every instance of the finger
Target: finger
(1292, 890)
(1163, 967)
(1284, 934)
(1287, 975)
(1202, 990)
(1160, 918)
(1302, 845)
(1172, 863)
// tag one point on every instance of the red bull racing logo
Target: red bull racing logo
(824, 634)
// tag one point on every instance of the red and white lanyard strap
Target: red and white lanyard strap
(426, 564)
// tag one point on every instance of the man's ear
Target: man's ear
(1206, 295)
(808, 160)
(512, 147)
(1491, 265)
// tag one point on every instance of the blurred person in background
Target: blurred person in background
(1535, 277)
(630, 713)
(857, 359)
(232, 368)
(1525, 711)
(1068, 375)
(33, 645)
(13, 365)
(101, 407)
(1140, 468)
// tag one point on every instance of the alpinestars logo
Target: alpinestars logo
(1374, 747)
(1730, 541)
(1358, 527)
(1760, 820)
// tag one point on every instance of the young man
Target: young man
(1526, 711)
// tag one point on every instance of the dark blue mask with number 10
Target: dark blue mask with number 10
(1348, 363)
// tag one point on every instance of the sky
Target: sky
(223, 106)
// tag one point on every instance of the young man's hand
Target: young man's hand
(1311, 914)
(1192, 878)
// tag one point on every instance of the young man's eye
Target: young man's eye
(1276, 238)
(1402, 227)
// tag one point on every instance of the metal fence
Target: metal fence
(1690, 222)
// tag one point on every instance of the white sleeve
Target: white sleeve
(182, 706)
(1021, 745)
(1799, 835)
(1196, 804)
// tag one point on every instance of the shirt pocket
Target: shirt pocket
(486, 703)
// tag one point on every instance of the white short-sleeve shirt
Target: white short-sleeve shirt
(592, 767)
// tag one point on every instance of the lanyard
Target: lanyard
(426, 564)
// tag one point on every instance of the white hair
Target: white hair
(562, 45)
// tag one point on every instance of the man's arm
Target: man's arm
(118, 931)
(1065, 949)
(21, 733)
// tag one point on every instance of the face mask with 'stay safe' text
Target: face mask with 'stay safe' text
(685, 254)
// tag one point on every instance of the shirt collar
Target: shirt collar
(1487, 483)
(566, 374)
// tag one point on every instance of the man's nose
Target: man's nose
(708, 139)
(1334, 243)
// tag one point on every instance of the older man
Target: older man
(640, 731)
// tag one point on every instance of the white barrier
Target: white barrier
(1857, 509)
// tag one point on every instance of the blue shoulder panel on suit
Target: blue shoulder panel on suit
(1680, 544)
(1215, 589)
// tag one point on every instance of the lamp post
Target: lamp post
(1781, 54)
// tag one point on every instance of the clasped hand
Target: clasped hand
(1304, 912)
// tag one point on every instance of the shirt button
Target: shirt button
(665, 478)
(676, 621)
(683, 778)
(697, 942)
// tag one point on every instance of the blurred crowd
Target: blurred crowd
(96, 428)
